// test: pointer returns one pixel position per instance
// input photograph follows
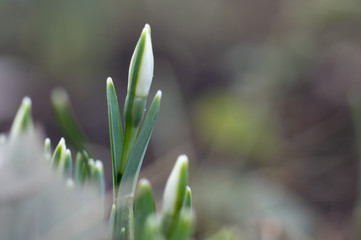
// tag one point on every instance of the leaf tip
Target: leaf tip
(147, 28)
(26, 102)
(144, 182)
(159, 94)
(109, 81)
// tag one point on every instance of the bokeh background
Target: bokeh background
(260, 95)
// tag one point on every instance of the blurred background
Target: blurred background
(257, 93)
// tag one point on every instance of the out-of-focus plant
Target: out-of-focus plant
(133, 214)
(128, 149)
(34, 203)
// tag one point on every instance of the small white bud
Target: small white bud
(176, 186)
(143, 58)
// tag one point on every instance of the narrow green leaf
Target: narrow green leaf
(59, 153)
(188, 198)
(81, 169)
(137, 153)
(112, 228)
(144, 206)
(66, 120)
(66, 164)
(99, 182)
(23, 120)
(115, 132)
(98, 176)
(131, 173)
(91, 166)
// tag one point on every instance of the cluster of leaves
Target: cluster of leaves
(176, 218)
(87, 170)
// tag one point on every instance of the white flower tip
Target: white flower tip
(147, 29)
(26, 102)
(47, 141)
(67, 152)
(146, 67)
(159, 94)
(182, 161)
(99, 165)
(174, 186)
(62, 142)
(109, 80)
(91, 162)
(144, 182)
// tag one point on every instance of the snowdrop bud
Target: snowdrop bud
(142, 65)
(140, 78)
(176, 187)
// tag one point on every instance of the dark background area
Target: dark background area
(257, 93)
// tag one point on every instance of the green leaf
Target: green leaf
(188, 198)
(98, 176)
(23, 121)
(137, 153)
(81, 169)
(131, 172)
(66, 164)
(115, 132)
(65, 119)
(59, 153)
(111, 225)
(144, 206)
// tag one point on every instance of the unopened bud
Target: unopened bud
(176, 187)
(142, 65)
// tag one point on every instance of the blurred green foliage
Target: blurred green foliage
(235, 128)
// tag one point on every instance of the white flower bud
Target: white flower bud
(176, 186)
(142, 65)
